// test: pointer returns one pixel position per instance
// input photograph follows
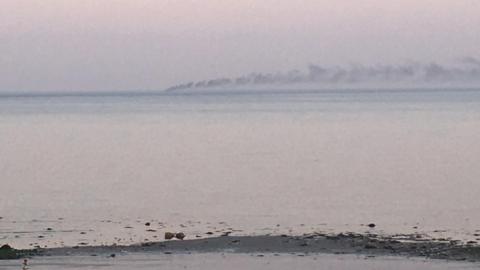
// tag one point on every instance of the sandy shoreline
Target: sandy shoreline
(317, 243)
(279, 252)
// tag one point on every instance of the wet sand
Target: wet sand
(214, 261)
(348, 243)
(309, 251)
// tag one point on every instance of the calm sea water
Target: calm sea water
(94, 168)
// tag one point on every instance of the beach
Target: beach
(342, 251)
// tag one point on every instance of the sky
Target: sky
(138, 45)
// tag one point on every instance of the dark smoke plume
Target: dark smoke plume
(464, 72)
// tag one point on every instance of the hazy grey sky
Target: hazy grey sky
(104, 45)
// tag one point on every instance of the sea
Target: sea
(124, 168)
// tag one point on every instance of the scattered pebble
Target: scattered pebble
(226, 233)
(169, 235)
(180, 235)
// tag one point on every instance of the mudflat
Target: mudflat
(316, 243)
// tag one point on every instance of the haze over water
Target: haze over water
(305, 160)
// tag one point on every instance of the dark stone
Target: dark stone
(169, 235)
(226, 233)
(370, 246)
(8, 253)
(180, 235)
(371, 225)
(147, 224)
(112, 255)
(6, 247)
(209, 233)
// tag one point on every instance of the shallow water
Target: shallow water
(213, 261)
(95, 168)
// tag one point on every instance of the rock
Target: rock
(226, 233)
(169, 235)
(370, 246)
(180, 235)
(6, 247)
(8, 253)
(112, 255)
(371, 225)
(147, 224)
(209, 233)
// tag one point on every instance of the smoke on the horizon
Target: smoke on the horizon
(465, 71)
